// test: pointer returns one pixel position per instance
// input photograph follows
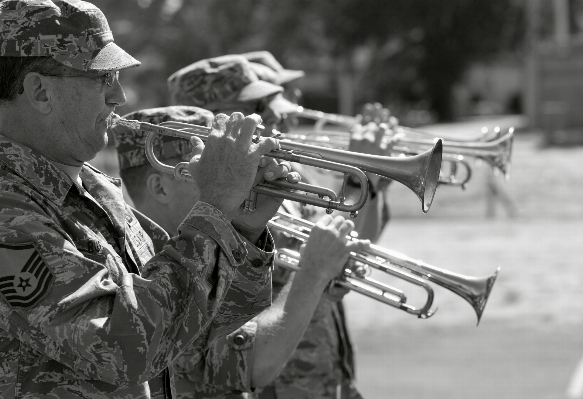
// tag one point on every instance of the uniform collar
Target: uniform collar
(37, 170)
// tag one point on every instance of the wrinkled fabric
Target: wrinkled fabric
(227, 364)
(320, 367)
(87, 310)
(224, 371)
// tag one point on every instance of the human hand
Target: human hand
(252, 224)
(327, 250)
(227, 169)
(372, 135)
(374, 113)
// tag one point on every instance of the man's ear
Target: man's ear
(39, 92)
(157, 189)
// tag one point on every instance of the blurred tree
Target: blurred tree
(406, 51)
(403, 52)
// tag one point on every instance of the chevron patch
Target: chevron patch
(24, 276)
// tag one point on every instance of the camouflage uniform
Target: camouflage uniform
(322, 365)
(226, 365)
(85, 311)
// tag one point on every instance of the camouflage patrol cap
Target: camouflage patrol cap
(73, 32)
(130, 143)
(269, 69)
(213, 82)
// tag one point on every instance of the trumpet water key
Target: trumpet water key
(420, 173)
(475, 290)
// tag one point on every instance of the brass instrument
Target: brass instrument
(323, 118)
(496, 152)
(419, 173)
(475, 290)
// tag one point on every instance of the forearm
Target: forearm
(281, 327)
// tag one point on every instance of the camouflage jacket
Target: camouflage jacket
(224, 371)
(320, 367)
(85, 310)
(225, 367)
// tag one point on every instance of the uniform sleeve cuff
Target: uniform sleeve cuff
(211, 221)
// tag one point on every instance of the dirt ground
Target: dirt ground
(530, 340)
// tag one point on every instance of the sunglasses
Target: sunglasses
(108, 78)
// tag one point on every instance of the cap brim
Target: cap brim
(257, 90)
(112, 58)
(289, 75)
(283, 106)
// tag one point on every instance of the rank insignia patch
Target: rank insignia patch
(24, 276)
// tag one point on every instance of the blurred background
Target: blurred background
(452, 67)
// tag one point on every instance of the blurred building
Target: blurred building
(554, 69)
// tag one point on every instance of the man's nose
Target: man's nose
(116, 94)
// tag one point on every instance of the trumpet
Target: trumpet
(475, 290)
(419, 173)
(497, 152)
(323, 118)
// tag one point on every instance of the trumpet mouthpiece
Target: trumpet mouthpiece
(115, 120)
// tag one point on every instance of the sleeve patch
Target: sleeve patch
(24, 276)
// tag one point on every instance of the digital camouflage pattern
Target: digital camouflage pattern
(130, 143)
(223, 371)
(217, 81)
(73, 32)
(85, 310)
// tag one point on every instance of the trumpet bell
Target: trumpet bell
(420, 173)
(478, 291)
